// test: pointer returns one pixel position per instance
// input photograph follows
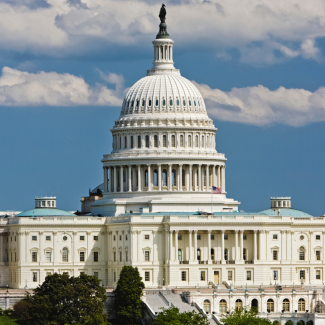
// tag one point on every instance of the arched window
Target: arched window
(138, 102)
(184, 103)
(202, 143)
(155, 177)
(183, 177)
(212, 254)
(244, 254)
(155, 141)
(143, 102)
(173, 141)
(120, 143)
(286, 305)
(157, 102)
(164, 102)
(198, 254)
(301, 254)
(182, 140)
(164, 141)
(207, 306)
(177, 102)
(194, 103)
(125, 142)
(204, 177)
(301, 304)
(189, 102)
(189, 141)
(222, 306)
(164, 178)
(65, 255)
(149, 102)
(173, 177)
(146, 177)
(179, 254)
(238, 304)
(171, 102)
(147, 141)
(226, 254)
(139, 141)
(270, 306)
(131, 141)
(196, 141)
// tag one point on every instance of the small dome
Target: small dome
(164, 93)
(286, 212)
(47, 212)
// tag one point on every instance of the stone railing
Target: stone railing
(183, 262)
(230, 262)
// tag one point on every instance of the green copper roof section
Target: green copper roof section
(46, 212)
(162, 27)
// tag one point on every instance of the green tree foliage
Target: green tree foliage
(127, 302)
(276, 322)
(172, 316)
(289, 322)
(21, 308)
(65, 300)
(244, 317)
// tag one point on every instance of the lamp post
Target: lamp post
(7, 287)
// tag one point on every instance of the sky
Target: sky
(66, 66)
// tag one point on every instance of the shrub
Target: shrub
(21, 308)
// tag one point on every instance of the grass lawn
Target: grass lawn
(6, 320)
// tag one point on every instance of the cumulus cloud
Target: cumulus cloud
(257, 27)
(18, 88)
(262, 106)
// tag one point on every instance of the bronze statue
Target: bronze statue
(162, 13)
(162, 27)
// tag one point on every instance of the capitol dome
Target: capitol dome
(164, 156)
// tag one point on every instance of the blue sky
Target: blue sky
(66, 65)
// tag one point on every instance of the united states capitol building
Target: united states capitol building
(157, 211)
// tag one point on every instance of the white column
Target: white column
(190, 244)
(176, 245)
(261, 255)
(108, 181)
(105, 179)
(241, 234)
(40, 247)
(214, 176)
(149, 177)
(209, 246)
(170, 245)
(121, 179)
(190, 178)
(159, 177)
(180, 187)
(255, 246)
(134, 179)
(288, 245)
(200, 178)
(224, 179)
(139, 178)
(222, 245)
(218, 180)
(283, 245)
(195, 245)
(155, 252)
(115, 180)
(130, 179)
(139, 246)
(187, 179)
(169, 180)
(207, 177)
(236, 245)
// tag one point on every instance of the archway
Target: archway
(289, 322)
(254, 304)
(207, 306)
(301, 322)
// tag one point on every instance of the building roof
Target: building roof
(45, 212)
(286, 212)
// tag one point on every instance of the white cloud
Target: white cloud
(19, 88)
(262, 106)
(257, 27)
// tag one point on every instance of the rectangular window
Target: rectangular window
(95, 238)
(48, 238)
(34, 256)
(198, 237)
(318, 255)
(225, 237)
(34, 276)
(202, 275)
(114, 256)
(244, 237)
(183, 275)
(82, 256)
(229, 275)
(96, 275)
(114, 277)
(317, 274)
(126, 256)
(82, 238)
(146, 276)
(47, 256)
(147, 256)
(126, 237)
(302, 275)
(249, 275)
(82, 273)
(212, 237)
(275, 236)
(48, 273)
(34, 238)
(120, 237)
(317, 237)
(275, 275)
(146, 237)
(179, 237)
(114, 238)
(275, 255)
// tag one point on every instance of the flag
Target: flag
(216, 190)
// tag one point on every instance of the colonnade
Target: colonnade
(164, 177)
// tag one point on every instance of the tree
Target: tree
(172, 316)
(244, 317)
(127, 300)
(65, 300)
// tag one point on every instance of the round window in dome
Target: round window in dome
(177, 102)
(302, 237)
(157, 102)
(170, 102)
(65, 238)
(150, 102)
